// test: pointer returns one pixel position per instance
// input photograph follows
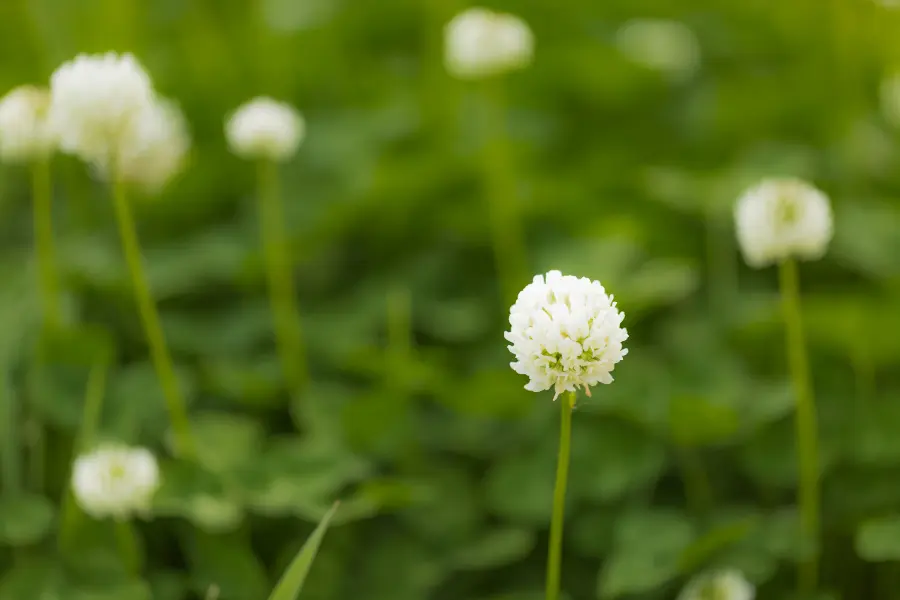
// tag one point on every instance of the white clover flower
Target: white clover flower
(115, 481)
(481, 43)
(94, 100)
(565, 333)
(24, 131)
(728, 584)
(265, 129)
(782, 218)
(663, 45)
(154, 147)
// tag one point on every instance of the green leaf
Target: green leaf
(226, 561)
(714, 542)
(226, 442)
(879, 539)
(496, 548)
(135, 405)
(699, 421)
(25, 519)
(33, 579)
(648, 546)
(291, 582)
(198, 495)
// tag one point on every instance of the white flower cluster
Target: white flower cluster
(727, 584)
(659, 44)
(780, 219)
(24, 131)
(115, 481)
(566, 333)
(265, 129)
(481, 43)
(103, 108)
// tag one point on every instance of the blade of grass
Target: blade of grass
(291, 582)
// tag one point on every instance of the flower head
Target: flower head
(565, 333)
(154, 146)
(24, 132)
(782, 218)
(265, 129)
(94, 100)
(481, 43)
(721, 585)
(115, 481)
(660, 44)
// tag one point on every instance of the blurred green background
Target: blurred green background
(621, 171)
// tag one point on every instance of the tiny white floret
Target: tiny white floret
(482, 43)
(728, 584)
(566, 333)
(24, 132)
(265, 129)
(780, 219)
(115, 481)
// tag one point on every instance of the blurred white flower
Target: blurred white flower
(481, 43)
(890, 99)
(115, 481)
(663, 45)
(782, 218)
(94, 100)
(154, 146)
(566, 333)
(265, 129)
(728, 584)
(24, 132)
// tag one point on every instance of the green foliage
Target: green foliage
(444, 464)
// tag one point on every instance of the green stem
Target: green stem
(279, 273)
(42, 193)
(720, 264)
(162, 361)
(506, 234)
(37, 455)
(696, 482)
(128, 546)
(90, 419)
(554, 556)
(807, 443)
(12, 476)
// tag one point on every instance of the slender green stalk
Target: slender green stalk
(399, 334)
(698, 489)
(721, 265)
(162, 361)
(9, 419)
(554, 556)
(90, 420)
(506, 233)
(279, 273)
(37, 451)
(42, 192)
(128, 546)
(807, 442)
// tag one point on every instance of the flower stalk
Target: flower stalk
(554, 554)
(42, 193)
(279, 273)
(806, 428)
(159, 351)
